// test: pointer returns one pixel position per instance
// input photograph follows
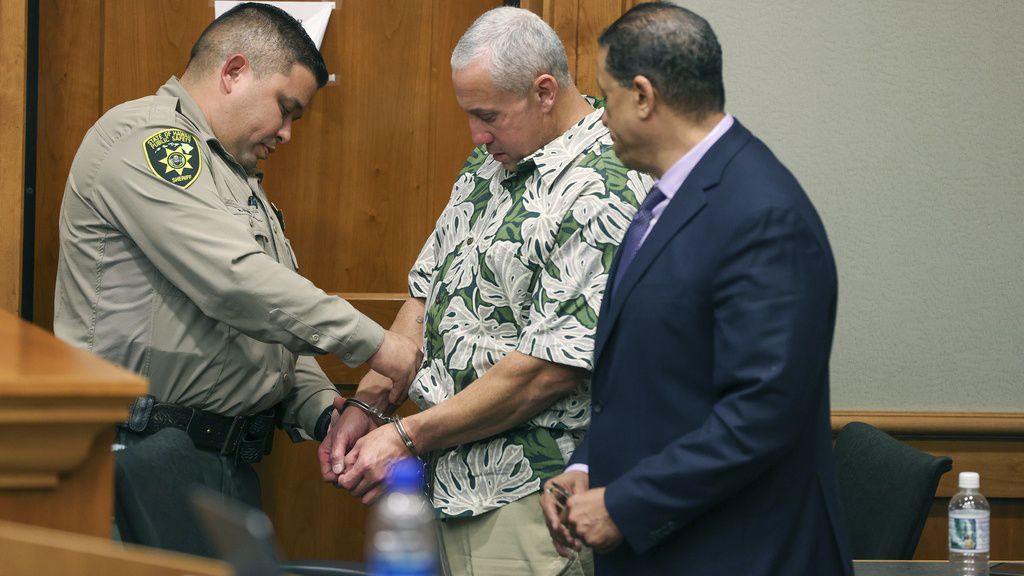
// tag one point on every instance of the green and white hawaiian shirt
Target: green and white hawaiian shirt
(518, 261)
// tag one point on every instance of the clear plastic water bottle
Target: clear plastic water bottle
(403, 537)
(969, 515)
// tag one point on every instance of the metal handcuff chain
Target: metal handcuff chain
(383, 419)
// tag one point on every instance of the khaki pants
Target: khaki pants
(512, 540)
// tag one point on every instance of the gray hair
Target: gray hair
(521, 47)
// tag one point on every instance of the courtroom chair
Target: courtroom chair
(887, 488)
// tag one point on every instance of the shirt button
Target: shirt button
(315, 338)
(597, 408)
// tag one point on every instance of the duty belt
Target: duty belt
(246, 438)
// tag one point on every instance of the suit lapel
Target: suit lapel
(688, 201)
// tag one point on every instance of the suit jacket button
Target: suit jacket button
(596, 407)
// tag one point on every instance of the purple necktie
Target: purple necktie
(635, 234)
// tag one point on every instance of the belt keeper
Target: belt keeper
(139, 413)
(235, 436)
(405, 436)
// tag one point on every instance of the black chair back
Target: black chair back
(887, 488)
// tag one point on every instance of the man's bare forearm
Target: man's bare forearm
(514, 390)
(374, 388)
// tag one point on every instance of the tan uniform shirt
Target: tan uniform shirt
(173, 264)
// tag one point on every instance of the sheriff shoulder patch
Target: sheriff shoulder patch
(174, 155)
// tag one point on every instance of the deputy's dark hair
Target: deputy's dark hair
(268, 36)
(673, 48)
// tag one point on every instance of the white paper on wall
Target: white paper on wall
(312, 15)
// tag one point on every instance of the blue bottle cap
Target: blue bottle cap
(406, 475)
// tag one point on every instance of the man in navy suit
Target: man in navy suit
(709, 450)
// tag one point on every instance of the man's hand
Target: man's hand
(346, 428)
(367, 463)
(398, 358)
(554, 506)
(588, 519)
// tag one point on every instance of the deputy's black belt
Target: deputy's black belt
(247, 438)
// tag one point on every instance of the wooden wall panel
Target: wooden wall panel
(1000, 461)
(579, 23)
(593, 18)
(367, 172)
(145, 43)
(83, 501)
(354, 179)
(450, 142)
(32, 550)
(991, 444)
(70, 61)
(563, 16)
(13, 22)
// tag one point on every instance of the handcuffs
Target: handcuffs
(381, 419)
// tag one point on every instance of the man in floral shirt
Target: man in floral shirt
(504, 297)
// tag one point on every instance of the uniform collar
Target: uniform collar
(188, 108)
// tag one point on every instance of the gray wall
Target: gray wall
(904, 121)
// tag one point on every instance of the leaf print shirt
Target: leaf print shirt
(518, 261)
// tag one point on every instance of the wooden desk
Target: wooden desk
(907, 567)
(58, 407)
(30, 550)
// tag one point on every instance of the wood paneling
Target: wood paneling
(353, 182)
(70, 60)
(924, 423)
(13, 22)
(450, 142)
(58, 407)
(368, 171)
(30, 550)
(593, 18)
(81, 501)
(991, 444)
(579, 23)
(369, 168)
(145, 43)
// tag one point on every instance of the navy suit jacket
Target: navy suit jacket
(710, 425)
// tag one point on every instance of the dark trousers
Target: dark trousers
(155, 478)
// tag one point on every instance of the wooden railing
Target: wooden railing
(58, 407)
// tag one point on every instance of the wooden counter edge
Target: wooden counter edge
(46, 549)
(935, 423)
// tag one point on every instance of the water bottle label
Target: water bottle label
(968, 531)
(406, 565)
